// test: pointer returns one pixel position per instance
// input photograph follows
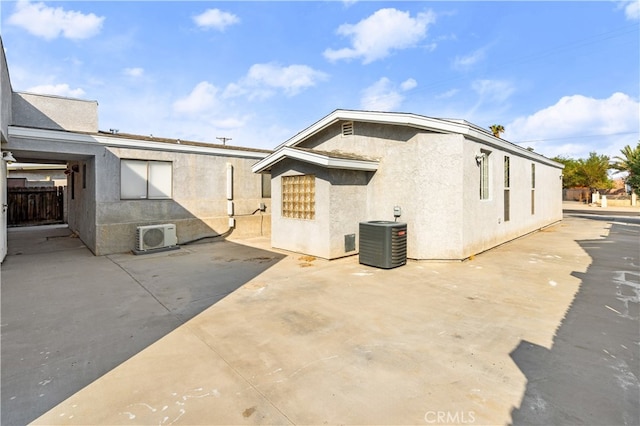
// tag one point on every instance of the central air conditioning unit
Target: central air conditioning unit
(383, 244)
(152, 237)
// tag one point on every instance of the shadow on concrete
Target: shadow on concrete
(590, 375)
(69, 317)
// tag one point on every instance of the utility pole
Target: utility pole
(223, 139)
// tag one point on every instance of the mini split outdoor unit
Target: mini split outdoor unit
(383, 243)
(152, 237)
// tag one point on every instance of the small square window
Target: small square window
(299, 197)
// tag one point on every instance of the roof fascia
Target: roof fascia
(110, 141)
(507, 146)
(400, 119)
(314, 158)
(464, 128)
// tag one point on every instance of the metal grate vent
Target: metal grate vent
(383, 244)
(347, 128)
(153, 238)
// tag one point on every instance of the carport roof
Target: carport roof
(330, 160)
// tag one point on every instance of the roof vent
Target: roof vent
(347, 128)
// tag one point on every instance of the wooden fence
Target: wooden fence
(35, 206)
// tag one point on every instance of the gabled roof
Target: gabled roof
(437, 125)
(330, 160)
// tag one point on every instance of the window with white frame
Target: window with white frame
(507, 187)
(533, 188)
(266, 185)
(483, 163)
(146, 180)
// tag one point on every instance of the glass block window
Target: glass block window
(299, 197)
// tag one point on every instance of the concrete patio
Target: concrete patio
(308, 341)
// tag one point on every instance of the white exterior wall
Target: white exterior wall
(435, 180)
(5, 120)
(418, 172)
(54, 112)
(484, 226)
(310, 237)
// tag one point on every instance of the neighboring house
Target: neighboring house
(117, 182)
(37, 175)
(459, 189)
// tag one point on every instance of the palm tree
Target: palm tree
(629, 155)
(629, 162)
(496, 129)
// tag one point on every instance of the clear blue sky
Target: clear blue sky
(561, 77)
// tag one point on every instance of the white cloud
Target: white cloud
(57, 90)
(577, 125)
(493, 90)
(631, 9)
(231, 122)
(408, 84)
(467, 61)
(448, 94)
(133, 72)
(49, 23)
(216, 19)
(386, 30)
(264, 80)
(383, 95)
(201, 99)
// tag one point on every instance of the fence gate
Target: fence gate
(35, 206)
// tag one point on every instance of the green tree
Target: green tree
(629, 155)
(497, 129)
(570, 173)
(592, 172)
(630, 163)
(586, 173)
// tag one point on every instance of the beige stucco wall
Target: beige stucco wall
(198, 206)
(107, 224)
(54, 112)
(434, 179)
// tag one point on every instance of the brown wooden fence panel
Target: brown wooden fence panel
(35, 206)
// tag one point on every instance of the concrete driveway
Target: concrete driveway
(542, 330)
(69, 317)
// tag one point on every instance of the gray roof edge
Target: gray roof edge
(462, 127)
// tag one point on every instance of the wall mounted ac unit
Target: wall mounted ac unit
(151, 237)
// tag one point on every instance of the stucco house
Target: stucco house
(118, 182)
(459, 189)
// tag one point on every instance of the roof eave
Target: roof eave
(314, 158)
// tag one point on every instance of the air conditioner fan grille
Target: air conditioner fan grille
(153, 237)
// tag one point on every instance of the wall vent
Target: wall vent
(347, 128)
(152, 237)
